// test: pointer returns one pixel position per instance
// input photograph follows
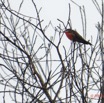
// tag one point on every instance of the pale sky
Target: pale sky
(59, 9)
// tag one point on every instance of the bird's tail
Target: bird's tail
(87, 42)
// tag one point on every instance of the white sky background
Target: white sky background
(59, 9)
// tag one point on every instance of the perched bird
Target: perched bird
(75, 36)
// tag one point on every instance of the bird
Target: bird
(75, 36)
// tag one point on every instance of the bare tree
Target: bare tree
(34, 70)
(100, 28)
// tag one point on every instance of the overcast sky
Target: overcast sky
(59, 9)
(53, 9)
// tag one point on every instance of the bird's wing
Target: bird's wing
(78, 37)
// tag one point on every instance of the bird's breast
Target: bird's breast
(69, 35)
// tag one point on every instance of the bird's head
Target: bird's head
(67, 30)
(69, 33)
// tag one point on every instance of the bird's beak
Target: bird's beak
(64, 31)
